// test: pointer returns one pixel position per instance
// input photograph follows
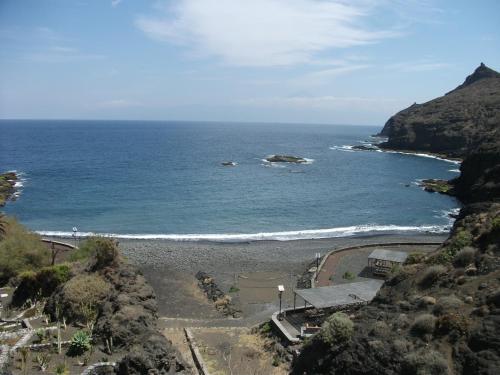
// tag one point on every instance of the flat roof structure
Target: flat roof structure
(340, 295)
(388, 255)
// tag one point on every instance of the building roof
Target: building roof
(390, 255)
(339, 295)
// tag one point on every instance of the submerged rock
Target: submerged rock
(285, 159)
(229, 163)
(437, 186)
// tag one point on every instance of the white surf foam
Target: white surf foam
(454, 170)
(375, 148)
(347, 148)
(267, 236)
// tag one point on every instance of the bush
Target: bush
(415, 257)
(84, 251)
(80, 343)
(105, 253)
(431, 275)
(337, 329)
(425, 362)
(33, 285)
(424, 324)
(453, 322)
(80, 294)
(459, 240)
(446, 304)
(380, 329)
(464, 257)
(349, 275)
(20, 251)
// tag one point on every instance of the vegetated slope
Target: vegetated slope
(439, 314)
(453, 124)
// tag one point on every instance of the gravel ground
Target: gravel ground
(170, 266)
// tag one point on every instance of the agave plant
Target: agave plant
(43, 360)
(62, 369)
(80, 343)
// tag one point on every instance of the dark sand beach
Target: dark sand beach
(170, 267)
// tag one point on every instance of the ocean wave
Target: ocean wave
(347, 148)
(454, 170)
(374, 148)
(267, 236)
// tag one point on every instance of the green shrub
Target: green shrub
(431, 275)
(495, 224)
(234, 289)
(80, 343)
(85, 250)
(105, 253)
(453, 322)
(460, 239)
(337, 329)
(86, 289)
(446, 304)
(348, 275)
(380, 329)
(20, 251)
(424, 362)
(464, 257)
(424, 324)
(415, 257)
(266, 328)
(33, 285)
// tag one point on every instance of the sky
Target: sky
(303, 61)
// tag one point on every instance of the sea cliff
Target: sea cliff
(440, 313)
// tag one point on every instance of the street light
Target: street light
(75, 229)
(318, 257)
(281, 289)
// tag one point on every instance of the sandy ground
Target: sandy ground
(255, 266)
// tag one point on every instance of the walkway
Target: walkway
(355, 259)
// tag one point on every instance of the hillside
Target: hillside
(453, 124)
(439, 314)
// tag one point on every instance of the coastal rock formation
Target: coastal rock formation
(7, 186)
(285, 159)
(453, 124)
(223, 302)
(126, 315)
(440, 313)
(432, 185)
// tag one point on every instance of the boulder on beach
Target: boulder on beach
(285, 159)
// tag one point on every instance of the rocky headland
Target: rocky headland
(7, 186)
(439, 313)
(452, 125)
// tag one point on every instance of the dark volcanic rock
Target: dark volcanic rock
(463, 327)
(432, 185)
(453, 124)
(285, 159)
(129, 318)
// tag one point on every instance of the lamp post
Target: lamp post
(281, 289)
(75, 229)
(318, 257)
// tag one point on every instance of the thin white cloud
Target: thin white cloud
(115, 3)
(325, 102)
(263, 32)
(118, 103)
(418, 66)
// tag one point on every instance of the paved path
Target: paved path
(355, 260)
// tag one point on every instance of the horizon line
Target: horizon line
(193, 121)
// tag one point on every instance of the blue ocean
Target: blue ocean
(137, 179)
